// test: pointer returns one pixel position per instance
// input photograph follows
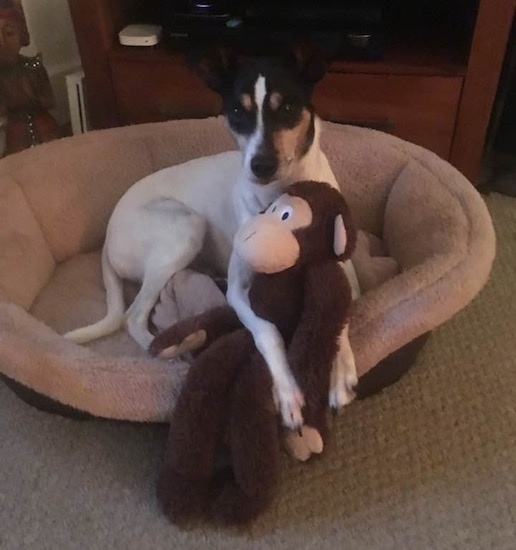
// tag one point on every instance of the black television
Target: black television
(348, 29)
(352, 29)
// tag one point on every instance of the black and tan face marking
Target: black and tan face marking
(272, 119)
(247, 102)
(275, 101)
(293, 143)
(268, 108)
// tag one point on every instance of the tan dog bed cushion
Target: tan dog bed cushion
(55, 202)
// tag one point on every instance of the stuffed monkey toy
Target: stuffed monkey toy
(226, 403)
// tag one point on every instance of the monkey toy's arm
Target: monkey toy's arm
(315, 343)
(195, 332)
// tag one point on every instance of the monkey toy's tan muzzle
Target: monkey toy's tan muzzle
(267, 244)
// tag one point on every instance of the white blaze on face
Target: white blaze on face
(260, 91)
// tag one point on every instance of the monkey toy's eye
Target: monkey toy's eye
(286, 213)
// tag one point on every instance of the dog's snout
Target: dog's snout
(264, 166)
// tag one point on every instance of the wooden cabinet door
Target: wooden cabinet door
(420, 109)
(152, 91)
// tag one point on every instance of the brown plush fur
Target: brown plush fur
(227, 396)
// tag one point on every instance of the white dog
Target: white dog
(189, 211)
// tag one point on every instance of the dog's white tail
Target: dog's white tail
(115, 308)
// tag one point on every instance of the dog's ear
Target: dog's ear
(309, 60)
(217, 67)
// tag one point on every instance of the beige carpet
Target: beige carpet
(430, 463)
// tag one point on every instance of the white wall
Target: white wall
(52, 34)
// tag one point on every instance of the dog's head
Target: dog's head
(267, 104)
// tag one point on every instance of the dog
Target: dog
(192, 211)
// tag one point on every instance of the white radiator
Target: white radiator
(77, 103)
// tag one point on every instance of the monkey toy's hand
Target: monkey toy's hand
(195, 333)
(178, 339)
(304, 443)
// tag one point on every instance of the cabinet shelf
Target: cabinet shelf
(399, 58)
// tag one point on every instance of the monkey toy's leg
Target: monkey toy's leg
(314, 379)
(197, 424)
(195, 332)
(313, 349)
(254, 442)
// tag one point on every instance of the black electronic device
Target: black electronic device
(351, 29)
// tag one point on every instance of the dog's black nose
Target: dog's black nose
(264, 166)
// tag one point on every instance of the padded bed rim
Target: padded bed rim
(384, 374)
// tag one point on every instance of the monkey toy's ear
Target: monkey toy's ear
(216, 67)
(344, 237)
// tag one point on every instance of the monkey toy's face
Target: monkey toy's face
(273, 241)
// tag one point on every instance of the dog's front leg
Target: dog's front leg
(287, 395)
(269, 342)
(344, 371)
(343, 374)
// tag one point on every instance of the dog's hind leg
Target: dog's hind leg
(114, 317)
(180, 241)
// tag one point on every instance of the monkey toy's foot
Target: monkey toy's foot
(182, 498)
(233, 506)
(303, 445)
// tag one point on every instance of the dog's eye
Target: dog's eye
(287, 107)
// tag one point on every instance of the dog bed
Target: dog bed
(55, 202)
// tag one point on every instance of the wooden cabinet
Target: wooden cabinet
(151, 91)
(438, 97)
(421, 109)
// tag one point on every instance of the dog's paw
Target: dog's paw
(342, 394)
(343, 381)
(289, 401)
(303, 446)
